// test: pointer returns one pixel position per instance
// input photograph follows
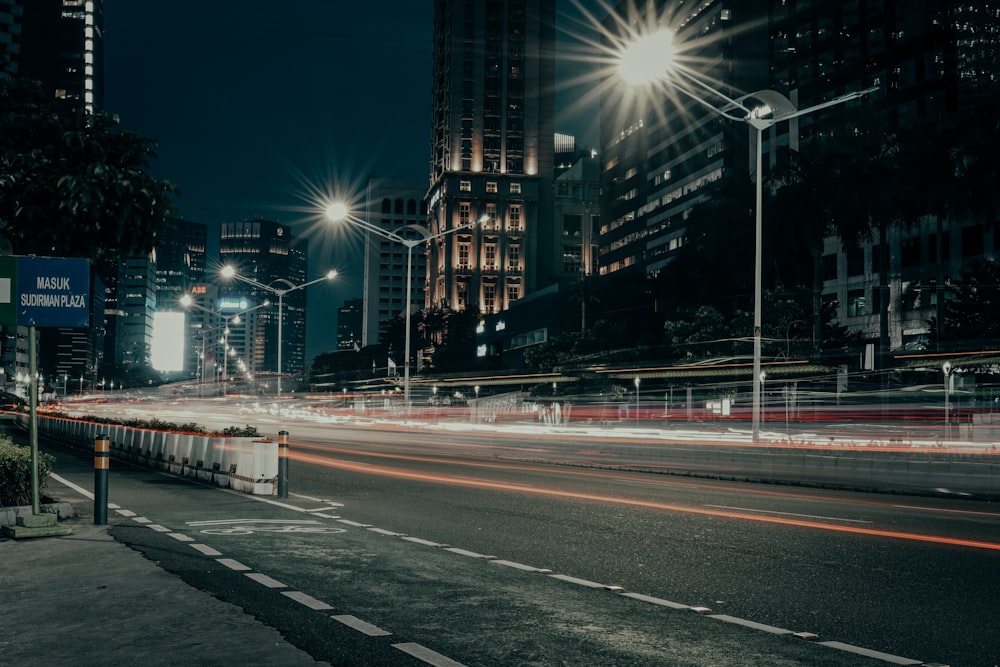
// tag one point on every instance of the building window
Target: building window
(910, 253)
(464, 213)
(491, 215)
(514, 218)
(856, 303)
(972, 241)
(829, 267)
(513, 293)
(465, 186)
(490, 256)
(515, 188)
(491, 187)
(514, 257)
(489, 298)
(855, 261)
(463, 256)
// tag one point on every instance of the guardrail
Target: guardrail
(249, 465)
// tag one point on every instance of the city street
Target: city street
(899, 576)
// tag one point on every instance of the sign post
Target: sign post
(42, 292)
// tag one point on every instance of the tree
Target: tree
(74, 184)
(970, 308)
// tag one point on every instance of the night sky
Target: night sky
(255, 105)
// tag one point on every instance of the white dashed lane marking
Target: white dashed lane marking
(264, 580)
(205, 549)
(307, 600)
(233, 564)
(361, 626)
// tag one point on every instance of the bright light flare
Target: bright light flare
(648, 58)
(336, 211)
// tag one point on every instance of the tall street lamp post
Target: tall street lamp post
(230, 272)
(338, 212)
(650, 58)
(187, 301)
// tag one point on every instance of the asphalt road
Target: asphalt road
(910, 577)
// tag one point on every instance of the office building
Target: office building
(62, 45)
(491, 153)
(395, 206)
(350, 319)
(180, 268)
(266, 252)
(664, 154)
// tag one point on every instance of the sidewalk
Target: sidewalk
(87, 600)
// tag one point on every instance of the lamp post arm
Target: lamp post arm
(375, 229)
(829, 103)
(716, 93)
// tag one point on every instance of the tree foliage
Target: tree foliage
(971, 307)
(74, 184)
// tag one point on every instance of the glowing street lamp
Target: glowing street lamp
(187, 301)
(230, 272)
(338, 212)
(650, 58)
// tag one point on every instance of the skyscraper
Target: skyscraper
(664, 154)
(491, 152)
(267, 253)
(62, 45)
(180, 267)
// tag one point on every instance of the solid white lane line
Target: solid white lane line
(425, 654)
(383, 531)
(361, 626)
(233, 564)
(65, 482)
(306, 600)
(205, 549)
(265, 580)
(801, 516)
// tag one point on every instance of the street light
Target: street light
(187, 301)
(651, 58)
(637, 400)
(338, 212)
(946, 369)
(230, 272)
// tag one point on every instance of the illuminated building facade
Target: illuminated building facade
(492, 152)
(266, 252)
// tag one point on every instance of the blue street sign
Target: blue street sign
(45, 291)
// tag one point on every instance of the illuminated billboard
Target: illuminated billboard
(167, 353)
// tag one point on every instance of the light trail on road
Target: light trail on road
(606, 471)
(440, 478)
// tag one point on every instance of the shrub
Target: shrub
(247, 431)
(15, 472)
